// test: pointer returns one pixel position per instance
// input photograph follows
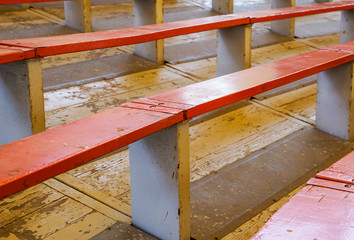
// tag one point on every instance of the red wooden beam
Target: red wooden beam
(31, 160)
(341, 171)
(47, 46)
(313, 213)
(12, 54)
(291, 12)
(208, 95)
(27, 1)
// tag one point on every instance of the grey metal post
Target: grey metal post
(78, 15)
(284, 27)
(149, 12)
(347, 26)
(223, 6)
(160, 183)
(335, 108)
(234, 49)
(21, 100)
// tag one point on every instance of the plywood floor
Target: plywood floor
(84, 201)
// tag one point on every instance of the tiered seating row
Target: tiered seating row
(321, 210)
(157, 130)
(234, 54)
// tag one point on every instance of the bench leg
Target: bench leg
(335, 108)
(160, 183)
(223, 6)
(78, 15)
(21, 100)
(234, 49)
(346, 26)
(284, 27)
(149, 12)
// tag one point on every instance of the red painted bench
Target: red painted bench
(321, 210)
(156, 128)
(12, 54)
(234, 52)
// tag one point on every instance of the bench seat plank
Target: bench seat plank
(342, 171)
(321, 210)
(12, 54)
(53, 45)
(47, 46)
(313, 213)
(26, 1)
(291, 12)
(212, 94)
(31, 160)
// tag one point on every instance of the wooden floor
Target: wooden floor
(84, 201)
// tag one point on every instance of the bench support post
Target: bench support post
(234, 49)
(149, 12)
(284, 27)
(78, 15)
(160, 183)
(223, 6)
(335, 106)
(21, 100)
(346, 26)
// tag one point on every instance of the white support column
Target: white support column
(284, 27)
(21, 100)
(149, 12)
(223, 6)
(335, 108)
(78, 15)
(347, 26)
(160, 183)
(234, 49)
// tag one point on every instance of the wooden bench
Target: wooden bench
(157, 130)
(323, 209)
(234, 54)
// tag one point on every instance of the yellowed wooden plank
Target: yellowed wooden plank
(190, 38)
(20, 19)
(7, 236)
(202, 69)
(292, 96)
(96, 194)
(278, 51)
(223, 140)
(70, 104)
(88, 201)
(85, 228)
(23, 203)
(112, 87)
(64, 59)
(36, 95)
(299, 103)
(322, 41)
(49, 219)
(109, 174)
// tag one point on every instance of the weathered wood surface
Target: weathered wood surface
(97, 194)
